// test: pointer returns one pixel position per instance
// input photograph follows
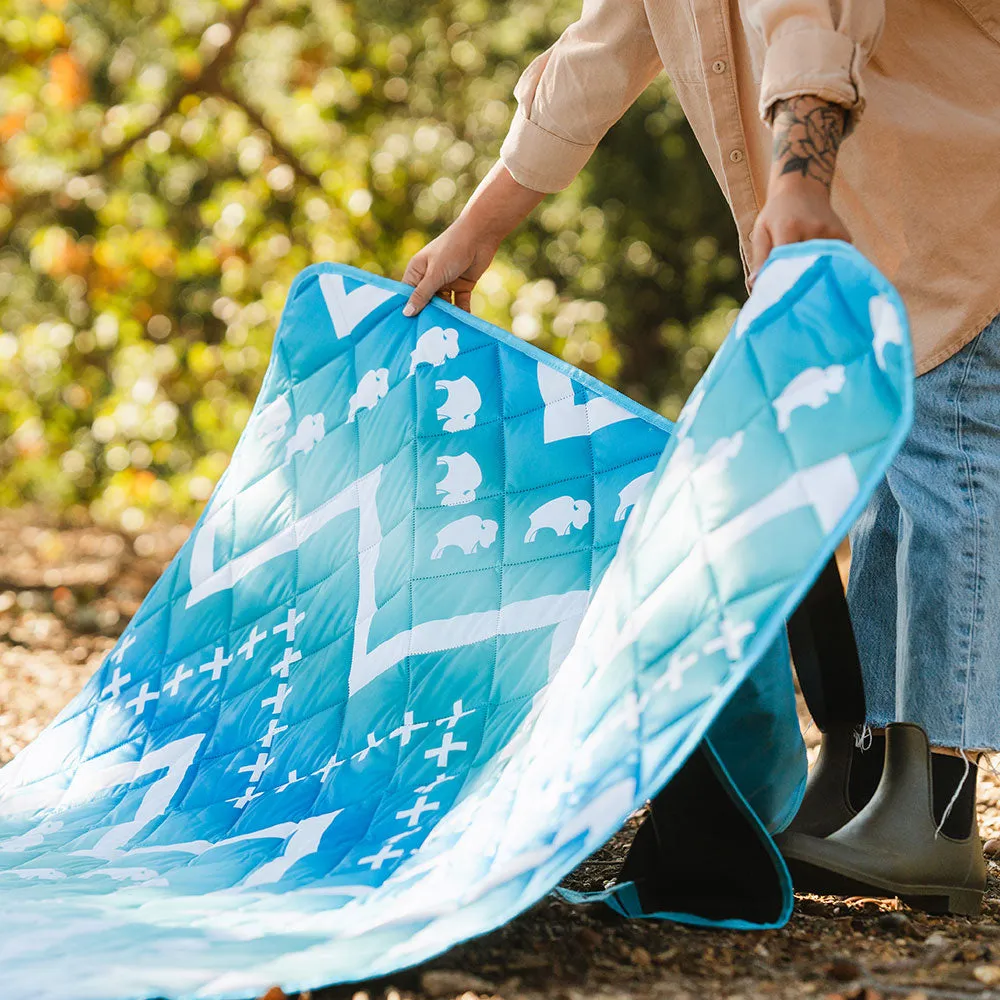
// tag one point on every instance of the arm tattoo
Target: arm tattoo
(807, 134)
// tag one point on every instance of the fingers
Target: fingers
(769, 233)
(463, 300)
(841, 233)
(800, 230)
(422, 274)
(416, 268)
(425, 290)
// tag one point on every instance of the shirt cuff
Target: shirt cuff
(813, 62)
(539, 159)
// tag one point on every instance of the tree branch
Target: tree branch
(208, 81)
(276, 144)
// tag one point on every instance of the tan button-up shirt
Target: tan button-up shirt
(918, 181)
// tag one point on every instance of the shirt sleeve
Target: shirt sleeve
(571, 94)
(815, 48)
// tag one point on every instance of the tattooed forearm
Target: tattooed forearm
(807, 134)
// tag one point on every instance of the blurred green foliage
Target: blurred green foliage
(168, 166)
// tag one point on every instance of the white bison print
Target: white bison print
(272, 424)
(467, 534)
(722, 452)
(32, 838)
(459, 410)
(560, 515)
(460, 481)
(307, 434)
(372, 387)
(885, 322)
(434, 347)
(630, 494)
(812, 388)
(685, 463)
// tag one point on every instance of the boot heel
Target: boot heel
(967, 902)
(964, 902)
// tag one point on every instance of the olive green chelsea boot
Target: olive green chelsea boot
(841, 782)
(905, 842)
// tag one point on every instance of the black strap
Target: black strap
(825, 653)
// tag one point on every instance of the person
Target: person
(852, 120)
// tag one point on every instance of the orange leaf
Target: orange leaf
(69, 83)
(11, 124)
(275, 993)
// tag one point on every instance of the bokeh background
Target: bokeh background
(168, 166)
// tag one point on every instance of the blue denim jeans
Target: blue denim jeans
(924, 589)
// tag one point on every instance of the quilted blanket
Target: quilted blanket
(454, 612)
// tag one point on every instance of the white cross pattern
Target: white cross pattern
(456, 715)
(412, 816)
(278, 701)
(677, 667)
(405, 731)
(562, 611)
(630, 711)
(216, 665)
(397, 837)
(255, 637)
(290, 657)
(142, 699)
(448, 746)
(730, 639)
(439, 779)
(174, 684)
(372, 743)
(293, 779)
(116, 683)
(257, 768)
(123, 646)
(331, 765)
(386, 853)
(288, 625)
(273, 729)
(246, 798)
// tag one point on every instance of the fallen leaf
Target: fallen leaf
(641, 957)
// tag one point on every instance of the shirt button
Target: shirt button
(719, 66)
(736, 156)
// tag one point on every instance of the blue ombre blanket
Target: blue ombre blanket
(454, 612)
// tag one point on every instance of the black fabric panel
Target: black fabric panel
(865, 772)
(825, 653)
(678, 859)
(948, 775)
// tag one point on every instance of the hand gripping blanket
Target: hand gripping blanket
(454, 612)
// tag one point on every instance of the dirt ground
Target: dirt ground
(66, 592)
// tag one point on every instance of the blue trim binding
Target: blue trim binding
(764, 638)
(497, 333)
